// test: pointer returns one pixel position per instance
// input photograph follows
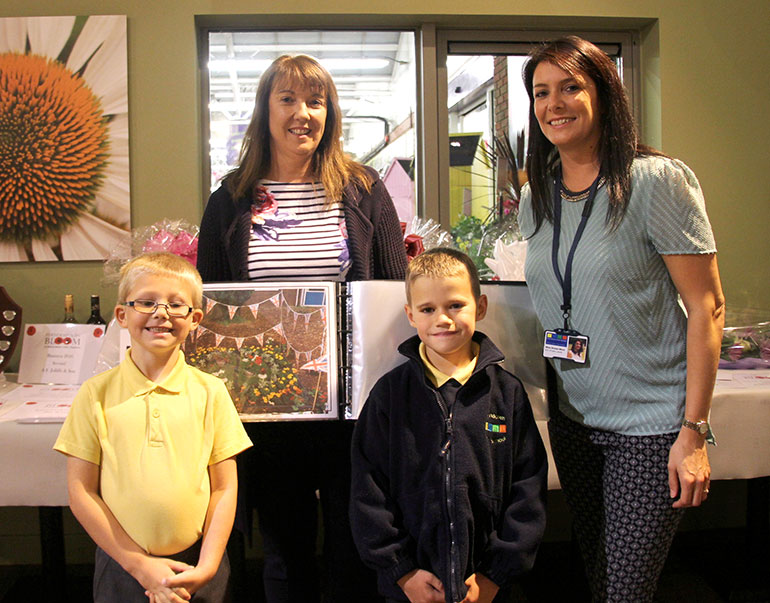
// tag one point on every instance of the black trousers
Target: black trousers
(113, 584)
(280, 476)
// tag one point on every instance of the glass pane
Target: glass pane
(374, 72)
(488, 128)
(488, 119)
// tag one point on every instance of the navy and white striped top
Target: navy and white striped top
(301, 239)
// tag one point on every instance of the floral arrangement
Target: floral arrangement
(177, 236)
(479, 238)
(420, 234)
(494, 243)
(746, 347)
(260, 379)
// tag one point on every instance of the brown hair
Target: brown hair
(441, 262)
(330, 164)
(619, 140)
(162, 264)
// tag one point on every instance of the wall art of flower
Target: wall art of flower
(64, 171)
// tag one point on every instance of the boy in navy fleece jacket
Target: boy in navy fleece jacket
(449, 471)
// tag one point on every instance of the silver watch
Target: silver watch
(702, 427)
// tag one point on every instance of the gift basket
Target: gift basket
(746, 347)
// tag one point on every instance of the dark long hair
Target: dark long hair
(618, 142)
(330, 163)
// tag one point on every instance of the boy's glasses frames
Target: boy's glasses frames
(148, 306)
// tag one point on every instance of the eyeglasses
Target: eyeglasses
(149, 306)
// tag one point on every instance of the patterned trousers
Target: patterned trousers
(617, 489)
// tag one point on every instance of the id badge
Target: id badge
(565, 344)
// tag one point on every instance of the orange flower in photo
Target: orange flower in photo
(64, 191)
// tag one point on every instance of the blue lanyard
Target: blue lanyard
(566, 282)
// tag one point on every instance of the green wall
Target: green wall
(705, 91)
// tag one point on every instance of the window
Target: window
(487, 119)
(374, 72)
(440, 113)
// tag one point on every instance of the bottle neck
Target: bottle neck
(69, 309)
(96, 315)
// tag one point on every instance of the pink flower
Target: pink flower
(182, 244)
(735, 352)
(264, 205)
(510, 205)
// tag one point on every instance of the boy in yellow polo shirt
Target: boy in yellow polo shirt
(151, 444)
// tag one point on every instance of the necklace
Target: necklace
(574, 197)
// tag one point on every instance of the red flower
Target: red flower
(414, 246)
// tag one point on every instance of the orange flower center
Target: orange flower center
(53, 147)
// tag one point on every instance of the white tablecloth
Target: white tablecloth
(32, 474)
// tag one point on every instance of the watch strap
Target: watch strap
(703, 428)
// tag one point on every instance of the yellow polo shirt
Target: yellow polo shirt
(438, 378)
(154, 443)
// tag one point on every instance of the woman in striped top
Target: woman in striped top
(297, 208)
(617, 233)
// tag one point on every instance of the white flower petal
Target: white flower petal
(47, 35)
(112, 202)
(113, 199)
(106, 72)
(117, 132)
(91, 239)
(95, 31)
(42, 252)
(13, 34)
(12, 252)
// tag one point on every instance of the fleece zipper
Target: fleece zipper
(446, 457)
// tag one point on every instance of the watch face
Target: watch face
(703, 428)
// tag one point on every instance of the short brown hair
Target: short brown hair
(441, 262)
(165, 265)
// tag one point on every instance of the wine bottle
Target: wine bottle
(96, 316)
(69, 309)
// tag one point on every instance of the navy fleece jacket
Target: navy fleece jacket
(452, 490)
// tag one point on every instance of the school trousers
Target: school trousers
(113, 584)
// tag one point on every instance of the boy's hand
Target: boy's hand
(420, 586)
(151, 572)
(480, 589)
(191, 580)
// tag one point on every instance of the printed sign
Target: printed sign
(59, 353)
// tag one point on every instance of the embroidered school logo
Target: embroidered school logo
(496, 428)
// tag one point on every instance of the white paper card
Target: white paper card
(59, 353)
(38, 403)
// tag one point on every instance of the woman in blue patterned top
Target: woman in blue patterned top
(618, 234)
(298, 208)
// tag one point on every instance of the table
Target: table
(32, 474)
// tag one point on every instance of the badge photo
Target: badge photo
(568, 345)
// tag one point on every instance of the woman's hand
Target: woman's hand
(421, 586)
(480, 589)
(689, 472)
